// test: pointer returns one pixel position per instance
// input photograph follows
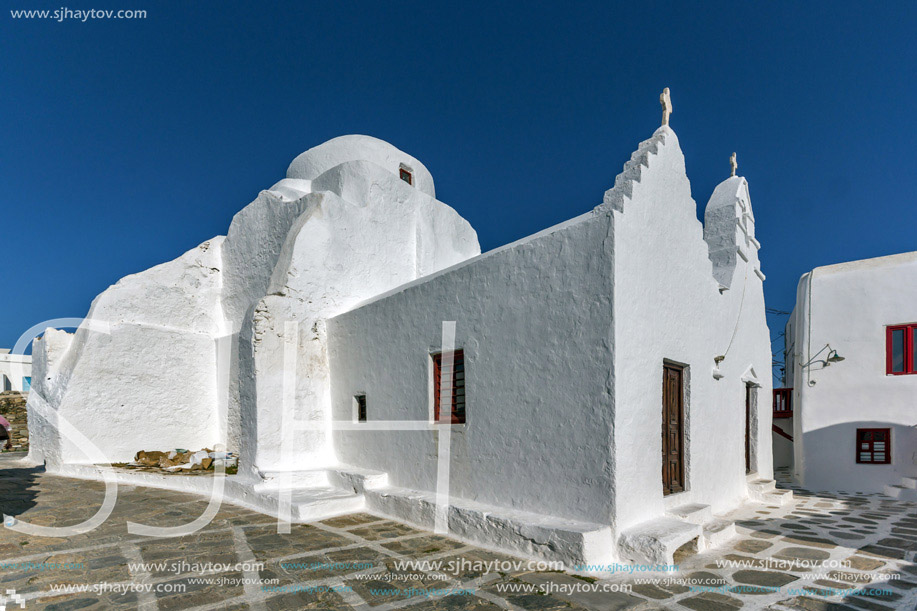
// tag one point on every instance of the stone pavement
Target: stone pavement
(239, 561)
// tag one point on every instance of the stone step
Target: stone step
(901, 493)
(717, 532)
(909, 482)
(510, 530)
(357, 479)
(306, 504)
(762, 485)
(319, 503)
(763, 490)
(778, 497)
(344, 477)
(654, 542)
(307, 478)
(694, 513)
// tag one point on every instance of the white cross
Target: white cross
(666, 100)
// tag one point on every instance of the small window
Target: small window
(406, 176)
(360, 401)
(26, 383)
(440, 377)
(874, 446)
(901, 350)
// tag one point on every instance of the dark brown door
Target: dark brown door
(747, 428)
(673, 434)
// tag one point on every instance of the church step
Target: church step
(510, 530)
(318, 503)
(763, 490)
(306, 504)
(344, 477)
(275, 480)
(773, 497)
(694, 513)
(654, 542)
(762, 485)
(717, 532)
(357, 479)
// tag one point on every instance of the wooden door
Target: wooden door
(747, 428)
(673, 434)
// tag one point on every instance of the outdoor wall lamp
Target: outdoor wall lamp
(833, 357)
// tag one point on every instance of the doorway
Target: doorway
(748, 399)
(673, 432)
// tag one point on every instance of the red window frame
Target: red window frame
(866, 442)
(458, 386)
(910, 366)
(406, 176)
(783, 402)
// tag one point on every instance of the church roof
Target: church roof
(319, 159)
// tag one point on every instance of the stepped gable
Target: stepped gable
(633, 169)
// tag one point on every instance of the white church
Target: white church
(596, 392)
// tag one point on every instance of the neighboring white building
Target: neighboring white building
(15, 371)
(854, 419)
(612, 373)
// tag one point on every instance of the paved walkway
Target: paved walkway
(354, 562)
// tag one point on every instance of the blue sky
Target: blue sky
(127, 142)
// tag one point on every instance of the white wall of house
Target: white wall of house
(15, 371)
(849, 306)
(783, 447)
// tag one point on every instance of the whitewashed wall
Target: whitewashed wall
(534, 320)
(783, 447)
(849, 306)
(140, 372)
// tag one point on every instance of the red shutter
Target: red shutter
(437, 381)
(888, 350)
(909, 365)
(457, 415)
(908, 362)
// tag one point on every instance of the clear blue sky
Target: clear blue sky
(127, 142)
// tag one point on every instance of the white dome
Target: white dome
(318, 160)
